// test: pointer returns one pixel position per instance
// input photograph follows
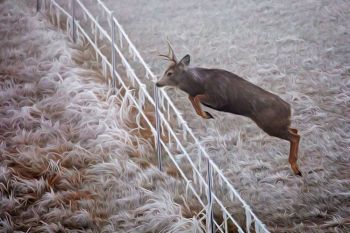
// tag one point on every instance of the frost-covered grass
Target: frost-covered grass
(68, 160)
(296, 49)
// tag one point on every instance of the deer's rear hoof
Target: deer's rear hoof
(208, 115)
(299, 174)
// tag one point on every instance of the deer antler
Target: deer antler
(171, 55)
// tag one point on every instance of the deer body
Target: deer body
(231, 93)
(227, 92)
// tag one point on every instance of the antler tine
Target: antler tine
(171, 52)
(166, 57)
(171, 55)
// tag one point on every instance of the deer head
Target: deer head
(176, 71)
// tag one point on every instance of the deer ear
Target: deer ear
(185, 60)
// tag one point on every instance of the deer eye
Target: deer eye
(169, 73)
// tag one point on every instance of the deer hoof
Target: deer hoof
(208, 115)
(297, 172)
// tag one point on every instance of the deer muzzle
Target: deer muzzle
(158, 84)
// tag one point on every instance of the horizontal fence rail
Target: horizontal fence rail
(133, 91)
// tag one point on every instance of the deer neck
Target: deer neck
(192, 83)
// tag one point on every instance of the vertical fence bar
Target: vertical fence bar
(96, 39)
(74, 32)
(210, 217)
(158, 144)
(38, 5)
(224, 216)
(113, 55)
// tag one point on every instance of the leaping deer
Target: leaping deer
(224, 91)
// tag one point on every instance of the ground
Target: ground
(68, 161)
(296, 49)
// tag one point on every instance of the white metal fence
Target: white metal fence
(168, 141)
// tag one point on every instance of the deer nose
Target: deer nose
(158, 84)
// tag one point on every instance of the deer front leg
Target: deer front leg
(197, 106)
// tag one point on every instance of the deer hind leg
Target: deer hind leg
(294, 147)
(197, 106)
(294, 130)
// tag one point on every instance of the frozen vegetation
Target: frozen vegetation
(70, 161)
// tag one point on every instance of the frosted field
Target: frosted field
(68, 162)
(51, 93)
(296, 49)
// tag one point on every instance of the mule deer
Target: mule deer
(224, 91)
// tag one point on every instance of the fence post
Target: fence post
(158, 144)
(38, 5)
(210, 217)
(73, 22)
(113, 54)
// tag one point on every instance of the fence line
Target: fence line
(76, 32)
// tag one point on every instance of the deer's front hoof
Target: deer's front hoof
(208, 115)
